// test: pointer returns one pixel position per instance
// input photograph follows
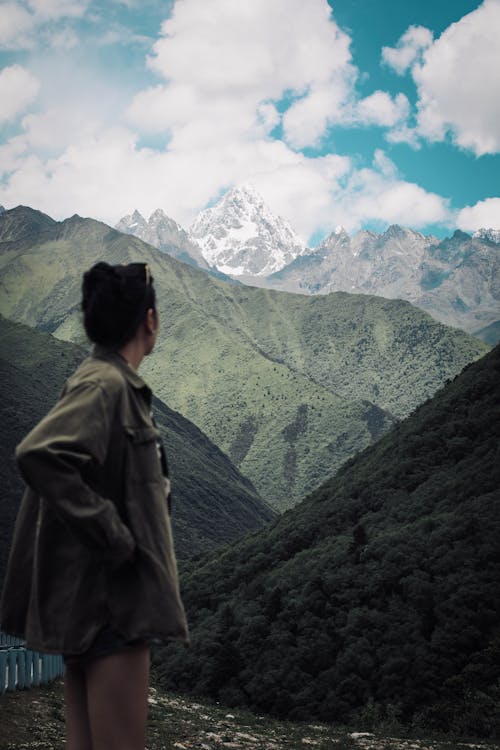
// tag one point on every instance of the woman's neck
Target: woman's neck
(133, 352)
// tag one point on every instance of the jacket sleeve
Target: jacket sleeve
(52, 460)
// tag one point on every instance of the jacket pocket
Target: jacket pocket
(143, 456)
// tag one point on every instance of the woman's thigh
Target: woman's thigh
(117, 699)
(77, 718)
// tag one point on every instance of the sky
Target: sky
(353, 113)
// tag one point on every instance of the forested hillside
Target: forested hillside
(377, 595)
(288, 386)
(212, 502)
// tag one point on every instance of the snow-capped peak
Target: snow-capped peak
(132, 223)
(240, 235)
(493, 235)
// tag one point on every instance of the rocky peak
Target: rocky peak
(240, 235)
(459, 235)
(163, 233)
(24, 224)
(132, 223)
(394, 230)
(492, 235)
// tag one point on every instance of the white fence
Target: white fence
(21, 668)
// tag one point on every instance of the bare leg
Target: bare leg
(117, 699)
(77, 718)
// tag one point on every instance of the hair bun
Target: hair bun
(113, 300)
(101, 273)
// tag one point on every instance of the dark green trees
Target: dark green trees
(379, 594)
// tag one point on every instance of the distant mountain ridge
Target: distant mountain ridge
(455, 280)
(493, 235)
(289, 386)
(164, 233)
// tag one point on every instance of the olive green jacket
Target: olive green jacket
(93, 543)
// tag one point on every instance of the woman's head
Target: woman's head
(115, 302)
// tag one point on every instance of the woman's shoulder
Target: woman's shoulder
(94, 371)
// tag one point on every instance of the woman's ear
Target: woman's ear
(152, 322)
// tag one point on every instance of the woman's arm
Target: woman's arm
(53, 457)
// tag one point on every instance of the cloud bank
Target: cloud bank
(242, 92)
(18, 88)
(457, 79)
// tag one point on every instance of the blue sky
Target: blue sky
(359, 113)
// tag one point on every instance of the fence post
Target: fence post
(3, 671)
(45, 670)
(21, 668)
(28, 670)
(36, 668)
(11, 660)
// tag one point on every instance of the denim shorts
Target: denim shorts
(106, 643)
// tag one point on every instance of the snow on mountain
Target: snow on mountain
(368, 263)
(164, 233)
(456, 280)
(493, 235)
(240, 235)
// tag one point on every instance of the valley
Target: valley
(288, 386)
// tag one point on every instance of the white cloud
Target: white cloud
(15, 25)
(12, 156)
(408, 50)
(306, 121)
(485, 214)
(222, 61)
(56, 129)
(58, 8)
(384, 165)
(21, 23)
(458, 83)
(105, 175)
(402, 133)
(65, 39)
(18, 88)
(378, 195)
(380, 109)
(227, 71)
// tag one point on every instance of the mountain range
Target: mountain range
(288, 386)
(376, 598)
(213, 503)
(165, 234)
(456, 279)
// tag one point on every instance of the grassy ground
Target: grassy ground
(35, 719)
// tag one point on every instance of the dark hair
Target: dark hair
(115, 300)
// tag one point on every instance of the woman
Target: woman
(92, 571)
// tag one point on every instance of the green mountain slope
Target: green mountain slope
(378, 595)
(212, 502)
(288, 386)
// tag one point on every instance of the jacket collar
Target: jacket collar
(112, 356)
